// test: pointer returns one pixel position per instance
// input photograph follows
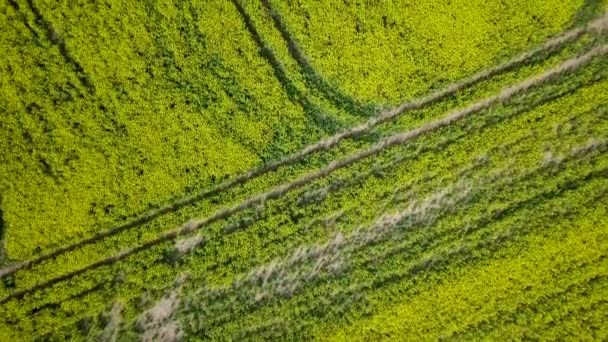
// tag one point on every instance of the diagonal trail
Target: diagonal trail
(198, 239)
(597, 25)
(394, 140)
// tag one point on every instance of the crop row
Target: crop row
(323, 145)
(205, 260)
(396, 274)
(402, 138)
(214, 303)
(280, 41)
(143, 261)
(223, 309)
(436, 262)
(199, 85)
(593, 201)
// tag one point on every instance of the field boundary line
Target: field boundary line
(322, 145)
(278, 191)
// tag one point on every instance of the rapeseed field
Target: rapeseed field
(304, 170)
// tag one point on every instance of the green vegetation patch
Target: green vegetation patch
(486, 225)
(110, 109)
(387, 51)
